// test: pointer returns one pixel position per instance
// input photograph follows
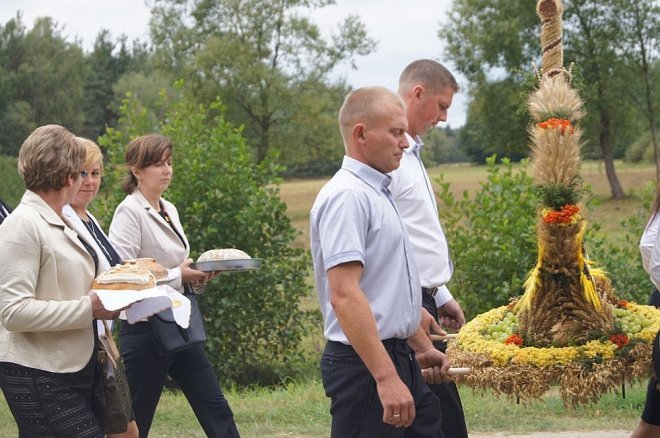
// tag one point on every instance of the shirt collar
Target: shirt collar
(40, 206)
(415, 143)
(366, 173)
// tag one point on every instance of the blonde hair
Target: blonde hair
(93, 153)
(48, 156)
(366, 105)
(428, 73)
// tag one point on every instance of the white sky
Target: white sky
(405, 30)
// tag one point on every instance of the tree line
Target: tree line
(614, 45)
(271, 68)
(267, 62)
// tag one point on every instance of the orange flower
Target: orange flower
(553, 123)
(620, 340)
(563, 216)
(514, 339)
(623, 304)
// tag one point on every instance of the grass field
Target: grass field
(299, 195)
(300, 409)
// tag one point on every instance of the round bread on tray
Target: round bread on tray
(149, 264)
(223, 254)
(125, 277)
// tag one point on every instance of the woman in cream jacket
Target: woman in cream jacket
(146, 225)
(47, 354)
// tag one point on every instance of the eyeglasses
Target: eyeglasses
(95, 173)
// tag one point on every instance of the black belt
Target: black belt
(430, 290)
(391, 344)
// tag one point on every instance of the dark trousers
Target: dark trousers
(651, 413)
(190, 369)
(453, 418)
(355, 407)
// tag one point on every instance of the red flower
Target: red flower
(563, 216)
(620, 340)
(622, 303)
(554, 123)
(514, 339)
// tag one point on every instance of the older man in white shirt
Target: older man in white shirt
(428, 88)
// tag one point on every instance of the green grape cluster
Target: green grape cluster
(629, 322)
(501, 330)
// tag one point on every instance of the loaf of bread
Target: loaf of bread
(223, 254)
(149, 264)
(125, 277)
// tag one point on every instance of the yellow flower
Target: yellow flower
(471, 340)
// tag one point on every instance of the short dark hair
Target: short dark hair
(143, 152)
(365, 105)
(430, 74)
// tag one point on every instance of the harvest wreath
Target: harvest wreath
(568, 328)
(500, 359)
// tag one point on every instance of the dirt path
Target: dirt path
(570, 434)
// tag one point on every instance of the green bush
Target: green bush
(620, 257)
(12, 187)
(641, 150)
(225, 200)
(492, 237)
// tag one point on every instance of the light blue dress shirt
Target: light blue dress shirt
(354, 218)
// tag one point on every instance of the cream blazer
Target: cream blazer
(137, 230)
(45, 274)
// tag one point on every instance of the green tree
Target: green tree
(106, 64)
(267, 61)
(639, 30)
(152, 91)
(12, 187)
(492, 237)
(491, 42)
(441, 147)
(485, 39)
(493, 240)
(43, 75)
(588, 41)
(496, 121)
(253, 319)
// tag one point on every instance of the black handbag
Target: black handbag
(169, 337)
(112, 396)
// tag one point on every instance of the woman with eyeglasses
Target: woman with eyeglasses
(47, 312)
(78, 217)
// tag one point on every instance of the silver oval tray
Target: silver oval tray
(227, 265)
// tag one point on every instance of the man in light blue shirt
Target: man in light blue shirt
(368, 286)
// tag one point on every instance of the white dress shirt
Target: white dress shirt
(412, 190)
(354, 218)
(649, 247)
